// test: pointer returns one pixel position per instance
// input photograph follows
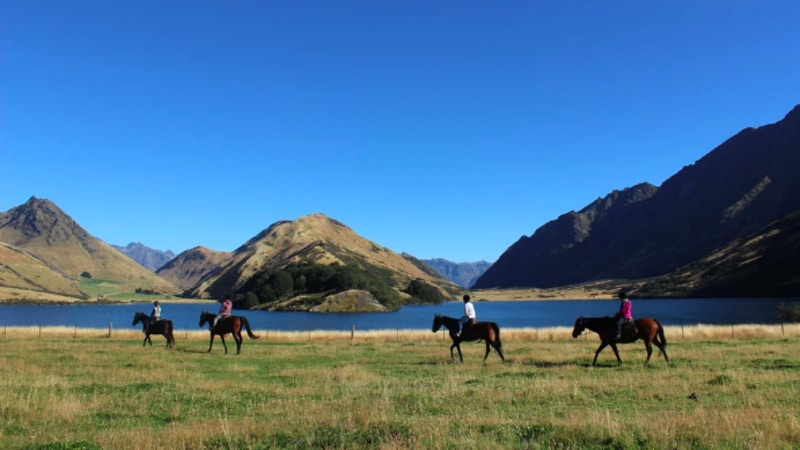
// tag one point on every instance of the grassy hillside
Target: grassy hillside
(44, 231)
(82, 389)
(315, 256)
(22, 272)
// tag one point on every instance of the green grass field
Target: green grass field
(80, 389)
(112, 290)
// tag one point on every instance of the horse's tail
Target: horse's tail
(497, 335)
(168, 329)
(247, 327)
(661, 333)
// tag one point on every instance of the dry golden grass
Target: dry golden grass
(553, 334)
(398, 389)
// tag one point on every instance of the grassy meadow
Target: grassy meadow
(727, 387)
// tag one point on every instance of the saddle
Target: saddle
(628, 328)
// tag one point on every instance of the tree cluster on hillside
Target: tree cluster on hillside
(789, 312)
(276, 285)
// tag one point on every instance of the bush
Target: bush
(297, 279)
(789, 312)
(424, 292)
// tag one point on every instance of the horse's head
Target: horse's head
(138, 317)
(437, 323)
(206, 317)
(580, 325)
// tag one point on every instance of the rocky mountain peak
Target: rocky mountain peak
(39, 218)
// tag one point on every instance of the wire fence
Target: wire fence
(673, 333)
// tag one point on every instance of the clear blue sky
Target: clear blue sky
(441, 129)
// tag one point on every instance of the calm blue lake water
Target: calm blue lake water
(516, 314)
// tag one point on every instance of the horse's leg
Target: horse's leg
(451, 350)
(149, 341)
(616, 352)
(144, 341)
(663, 350)
(661, 345)
(649, 348)
(225, 346)
(211, 343)
(488, 349)
(238, 338)
(597, 353)
(499, 351)
(457, 345)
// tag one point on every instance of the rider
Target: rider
(156, 313)
(624, 313)
(224, 310)
(469, 315)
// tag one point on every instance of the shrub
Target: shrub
(424, 292)
(789, 312)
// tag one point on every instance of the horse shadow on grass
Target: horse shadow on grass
(546, 364)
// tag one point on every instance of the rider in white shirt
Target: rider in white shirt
(156, 313)
(469, 315)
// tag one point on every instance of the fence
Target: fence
(673, 333)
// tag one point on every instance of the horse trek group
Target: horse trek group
(620, 329)
(224, 325)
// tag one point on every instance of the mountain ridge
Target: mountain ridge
(42, 229)
(147, 257)
(739, 187)
(462, 274)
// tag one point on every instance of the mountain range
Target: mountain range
(462, 274)
(738, 190)
(312, 263)
(298, 253)
(146, 257)
(51, 240)
(726, 225)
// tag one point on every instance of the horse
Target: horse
(225, 325)
(150, 326)
(649, 330)
(489, 332)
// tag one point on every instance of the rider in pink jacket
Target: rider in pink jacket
(624, 314)
(224, 310)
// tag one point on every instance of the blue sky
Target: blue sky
(441, 129)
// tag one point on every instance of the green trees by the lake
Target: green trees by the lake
(275, 285)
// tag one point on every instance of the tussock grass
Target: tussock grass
(76, 388)
(673, 333)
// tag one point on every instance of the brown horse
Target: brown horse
(230, 324)
(150, 326)
(649, 330)
(489, 332)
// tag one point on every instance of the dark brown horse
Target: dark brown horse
(230, 324)
(649, 330)
(150, 326)
(489, 332)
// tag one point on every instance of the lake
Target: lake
(508, 314)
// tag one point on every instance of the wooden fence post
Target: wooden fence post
(109, 330)
(352, 333)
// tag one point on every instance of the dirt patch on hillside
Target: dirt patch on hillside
(596, 290)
